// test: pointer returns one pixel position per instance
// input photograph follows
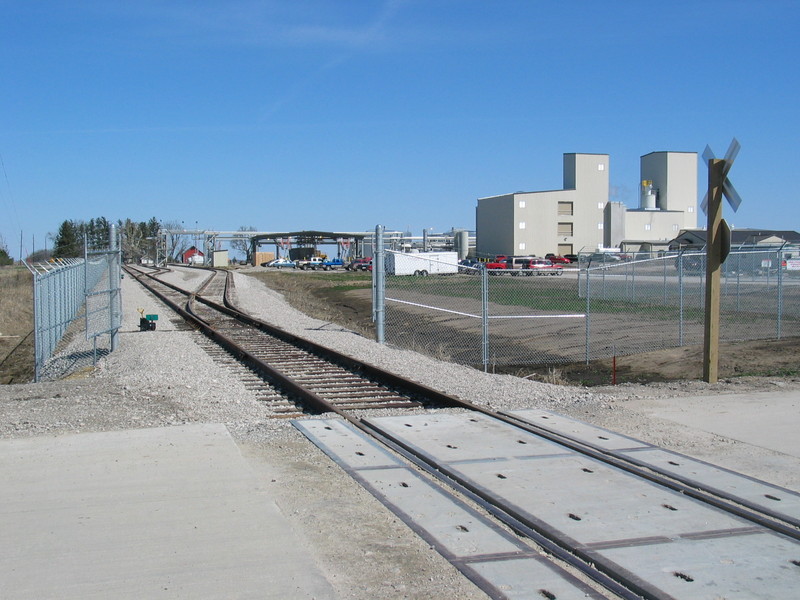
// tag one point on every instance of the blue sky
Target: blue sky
(340, 115)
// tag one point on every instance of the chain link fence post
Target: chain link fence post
(779, 260)
(588, 310)
(115, 298)
(379, 285)
(484, 273)
(680, 299)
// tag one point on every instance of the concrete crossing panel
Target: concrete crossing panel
(622, 522)
(496, 560)
(751, 492)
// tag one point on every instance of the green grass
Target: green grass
(769, 373)
(545, 294)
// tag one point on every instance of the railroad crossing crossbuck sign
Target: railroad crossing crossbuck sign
(728, 190)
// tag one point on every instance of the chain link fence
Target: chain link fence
(77, 302)
(601, 306)
(662, 299)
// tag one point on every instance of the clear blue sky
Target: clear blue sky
(340, 115)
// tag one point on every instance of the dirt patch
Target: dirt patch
(759, 358)
(341, 297)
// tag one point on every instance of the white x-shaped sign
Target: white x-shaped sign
(733, 197)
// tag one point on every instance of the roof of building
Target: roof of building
(740, 236)
(669, 152)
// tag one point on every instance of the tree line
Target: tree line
(136, 239)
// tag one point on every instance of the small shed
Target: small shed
(219, 258)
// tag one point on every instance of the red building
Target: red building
(193, 256)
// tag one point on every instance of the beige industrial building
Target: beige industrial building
(580, 218)
(667, 204)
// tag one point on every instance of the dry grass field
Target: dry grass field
(16, 325)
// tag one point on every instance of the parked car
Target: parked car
(360, 264)
(496, 267)
(558, 260)
(543, 266)
(332, 264)
(603, 257)
(469, 265)
(573, 258)
(517, 262)
(692, 263)
(313, 263)
(280, 263)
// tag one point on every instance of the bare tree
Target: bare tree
(177, 243)
(242, 242)
(130, 240)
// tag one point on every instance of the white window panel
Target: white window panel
(599, 225)
(647, 226)
(522, 224)
(601, 167)
(521, 246)
(601, 205)
(522, 203)
(690, 209)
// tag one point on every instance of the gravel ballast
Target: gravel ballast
(164, 378)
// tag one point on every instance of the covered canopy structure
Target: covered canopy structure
(303, 244)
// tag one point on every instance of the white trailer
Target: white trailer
(421, 263)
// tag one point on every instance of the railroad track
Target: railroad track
(299, 375)
(639, 521)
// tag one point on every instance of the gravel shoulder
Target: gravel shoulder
(164, 378)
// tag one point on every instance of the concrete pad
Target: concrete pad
(769, 420)
(171, 512)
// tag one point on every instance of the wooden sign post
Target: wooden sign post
(713, 260)
(717, 248)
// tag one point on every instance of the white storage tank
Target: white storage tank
(461, 243)
(648, 199)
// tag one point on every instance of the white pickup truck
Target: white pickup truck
(313, 263)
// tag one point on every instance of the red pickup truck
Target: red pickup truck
(496, 265)
(557, 260)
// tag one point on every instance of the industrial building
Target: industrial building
(580, 217)
(667, 204)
